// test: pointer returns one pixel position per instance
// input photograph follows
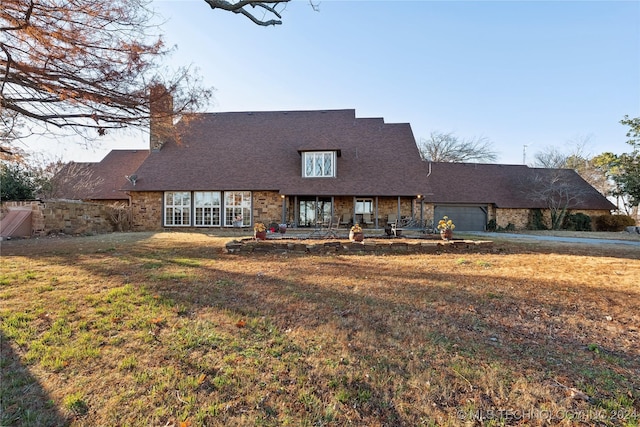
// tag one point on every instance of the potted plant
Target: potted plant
(446, 226)
(356, 234)
(260, 231)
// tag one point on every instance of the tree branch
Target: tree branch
(239, 7)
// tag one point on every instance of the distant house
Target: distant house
(302, 168)
(473, 194)
(99, 182)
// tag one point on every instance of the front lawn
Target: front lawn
(165, 329)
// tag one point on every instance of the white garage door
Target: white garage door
(466, 218)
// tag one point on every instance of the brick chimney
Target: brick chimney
(161, 120)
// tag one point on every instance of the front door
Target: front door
(314, 211)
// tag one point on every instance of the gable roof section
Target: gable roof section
(99, 181)
(507, 186)
(262, 151)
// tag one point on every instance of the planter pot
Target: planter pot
(446, 234)
(356, 237)
(260, 235)
(283, 228)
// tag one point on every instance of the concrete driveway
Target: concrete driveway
(578, 240)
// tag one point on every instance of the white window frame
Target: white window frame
(177, 208)
(237, 204)
(207, 208)
(314, 164)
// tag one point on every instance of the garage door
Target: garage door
(466, 218)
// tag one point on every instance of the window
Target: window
(177, 208)
(207, 208)
(364, 206)
(319, 164)
(237, 208)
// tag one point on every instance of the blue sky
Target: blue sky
(538, 73)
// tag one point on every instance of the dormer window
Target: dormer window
(319, 164)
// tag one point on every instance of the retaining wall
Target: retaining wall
(378, 247)
(67, 216)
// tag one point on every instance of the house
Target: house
(302, 168)
(306, 168)
(99, 182)
(473, 194)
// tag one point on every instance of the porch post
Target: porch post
(353, 211)
(296, 213)
(376, 211)
(332, 207)
(284, 209)
(398, 208)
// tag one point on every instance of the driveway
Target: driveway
(533, 237)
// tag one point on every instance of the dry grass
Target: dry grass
(165, 329)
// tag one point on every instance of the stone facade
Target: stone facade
(146, 210)
(267, 207)
(518, 217)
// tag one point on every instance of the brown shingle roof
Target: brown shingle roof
(99, 181)
(261, 151)
(507, 186)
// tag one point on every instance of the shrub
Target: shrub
(509, 227)
(536, 220)
(492, 225)
(614, 222)
(15, 183)
(577, 222)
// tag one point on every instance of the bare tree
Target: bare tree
(551, 158)
(56, 179)
(556, 190)
(446, 147)
(578, 159)
(85, 65)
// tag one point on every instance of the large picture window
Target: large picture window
(319, 164)
(207, 208)
(237, 208)
(177, 208)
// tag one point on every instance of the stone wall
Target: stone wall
(267, 207)
(67, 216)
(146, 210)
(251, 246)
(518, 217)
